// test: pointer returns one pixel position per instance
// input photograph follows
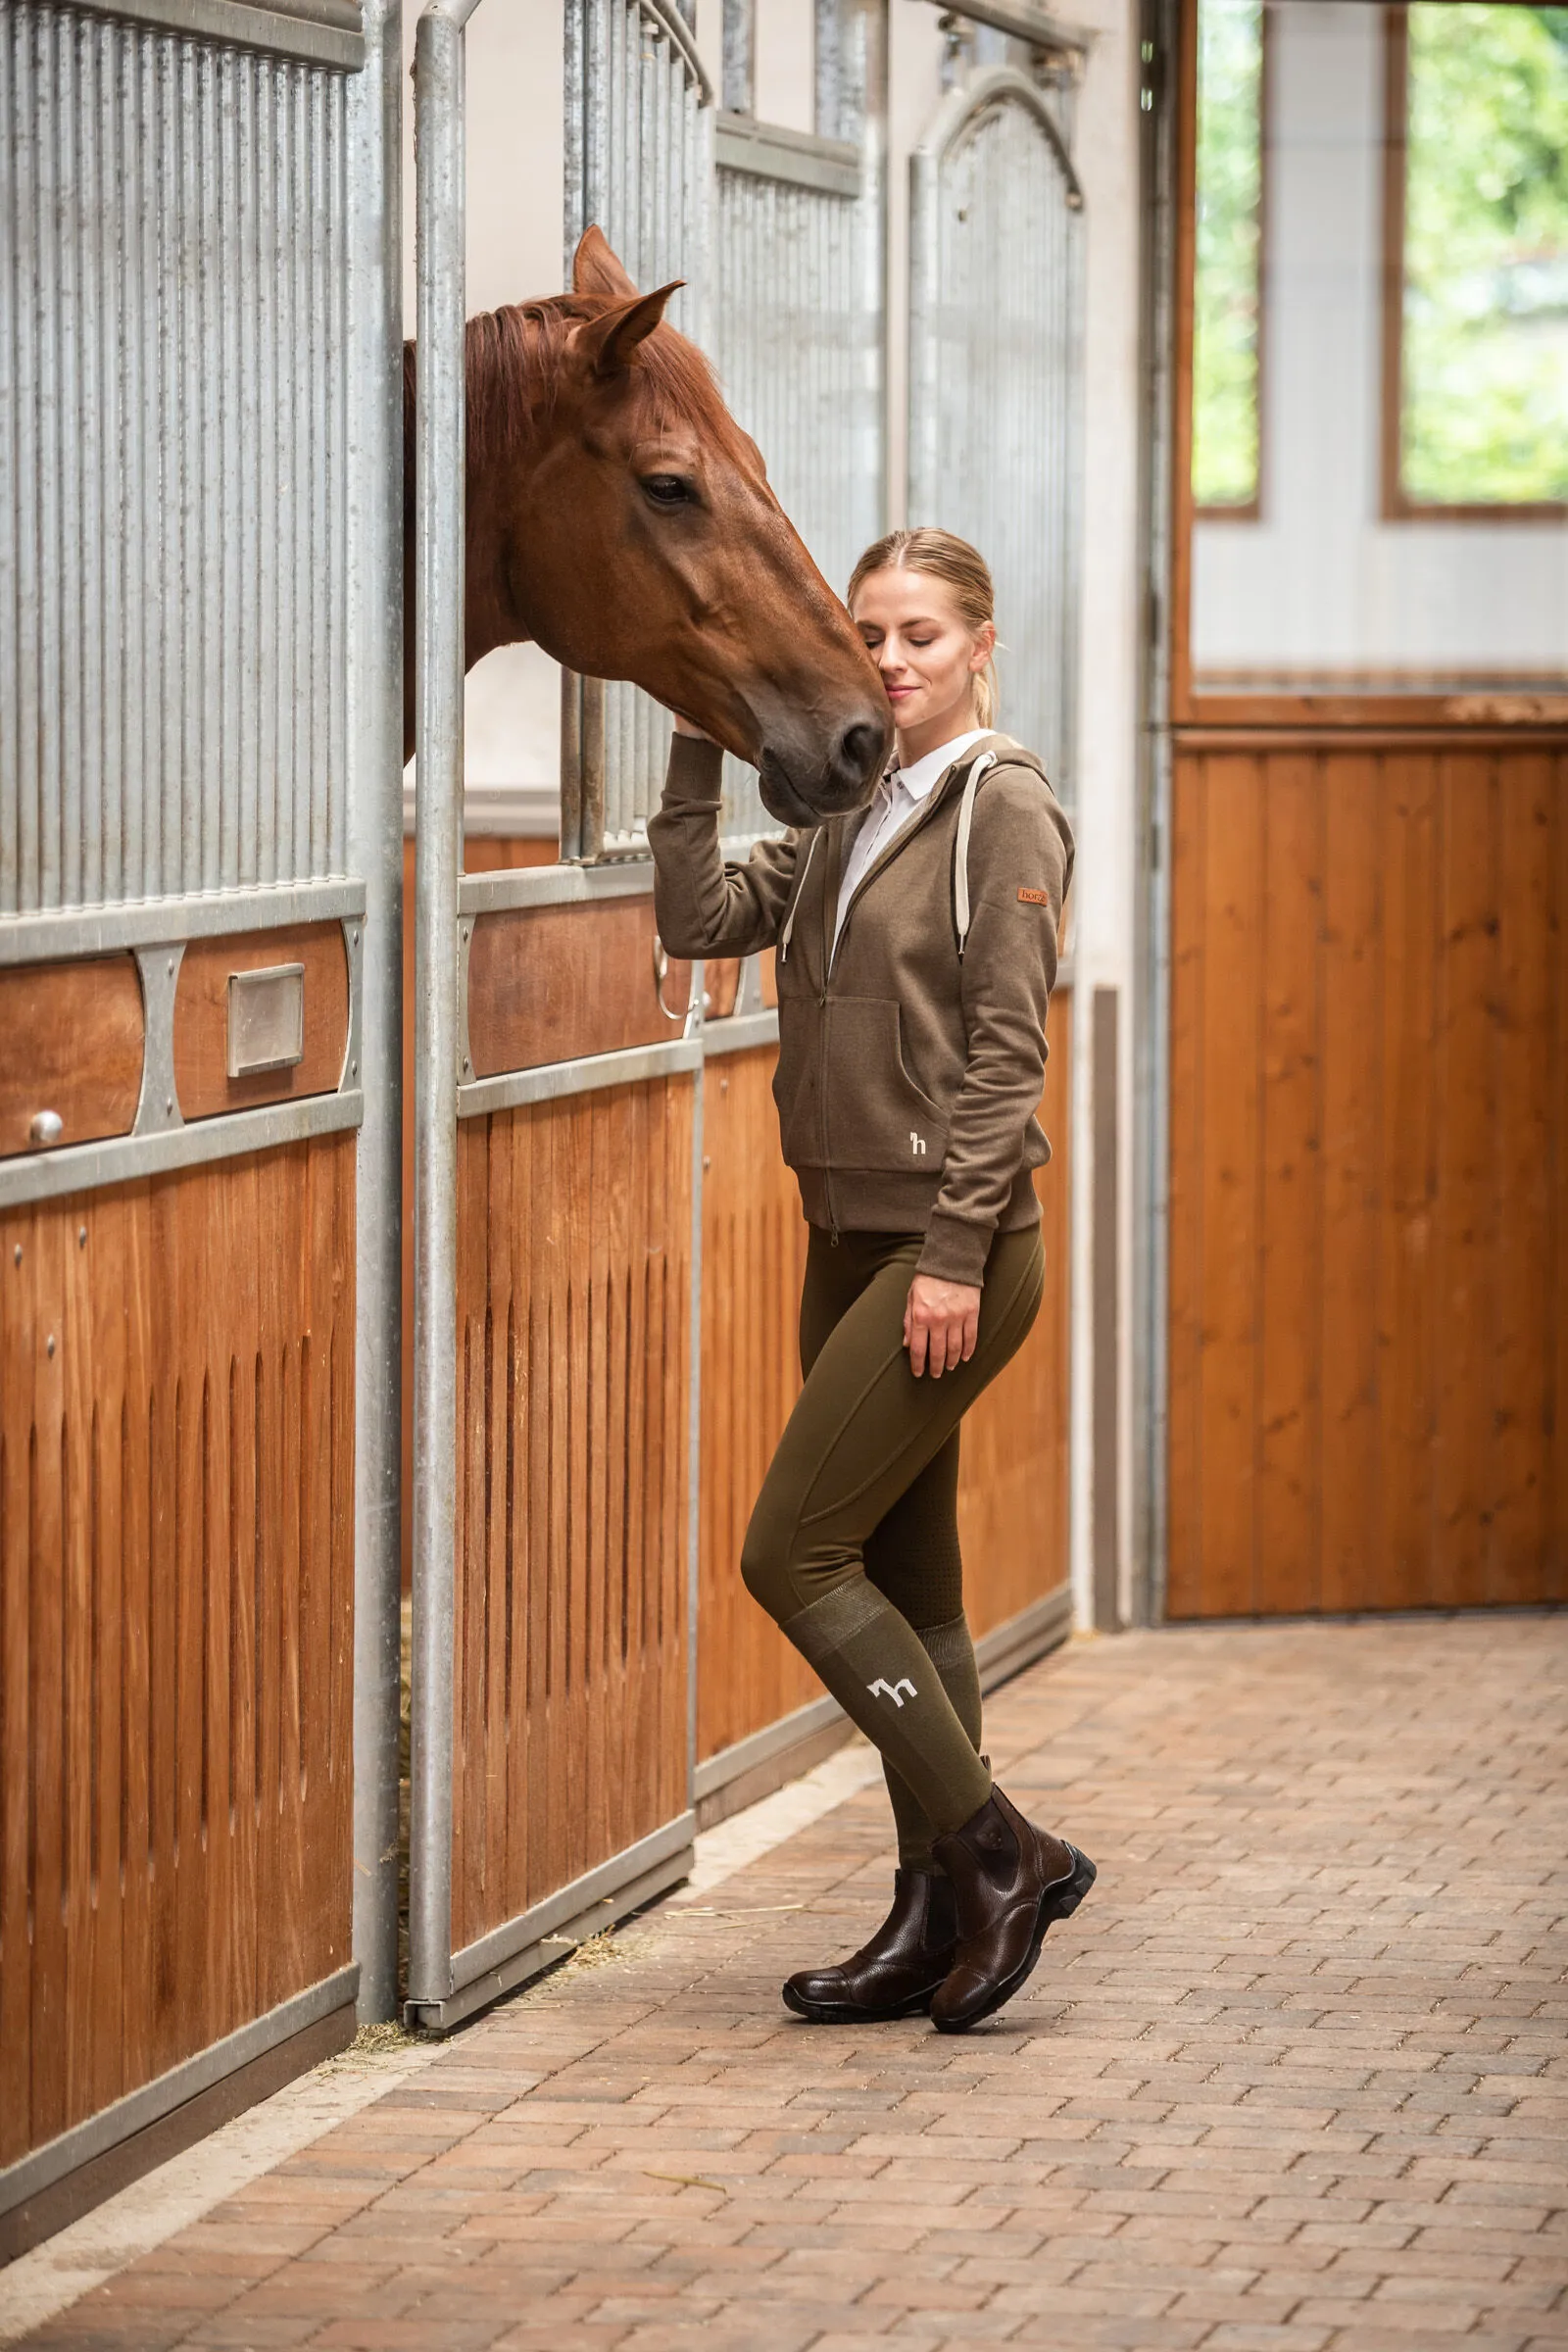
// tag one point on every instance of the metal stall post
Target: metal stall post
(439, 542)
(375, 822)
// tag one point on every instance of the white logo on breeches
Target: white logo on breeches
(893, 1689)
(917, 1144)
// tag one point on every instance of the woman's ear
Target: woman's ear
(983, 647)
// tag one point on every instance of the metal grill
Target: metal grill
(996, 310)
(172, 511)
(798, 330)
(638, 164)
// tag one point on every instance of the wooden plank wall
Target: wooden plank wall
(1013, 1488)
(573, 1303)
(1369, 1178)
(753, 1260)
(1012, 1502)
(176, 1503)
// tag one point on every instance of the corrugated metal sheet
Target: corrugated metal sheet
(994, 372)
(798, 341)
(173, 471)
(638, 164)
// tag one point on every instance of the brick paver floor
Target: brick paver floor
(1295, 2077)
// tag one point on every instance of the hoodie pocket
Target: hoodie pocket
(877, 1120)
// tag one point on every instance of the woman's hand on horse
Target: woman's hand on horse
(685, 726)
(941, 1323)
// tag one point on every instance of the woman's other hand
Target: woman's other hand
(685, 726)
(941, 1323)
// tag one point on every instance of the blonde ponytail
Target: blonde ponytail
(942, 556)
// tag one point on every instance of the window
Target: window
(1228, 260)
(1476, 292)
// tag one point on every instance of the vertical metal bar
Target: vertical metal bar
(439, 566)
(374, 487)
(594, 731)
(694, 1398)
(739, 80)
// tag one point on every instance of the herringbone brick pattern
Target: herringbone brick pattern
(1294, 2078)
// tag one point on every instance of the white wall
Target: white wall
(1321, 583)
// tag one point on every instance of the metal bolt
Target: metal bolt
(170, 967)
(16, 1254)
(51, 1345)
(169, 1104)
(82, 1236)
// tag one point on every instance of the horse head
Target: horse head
(618, 515)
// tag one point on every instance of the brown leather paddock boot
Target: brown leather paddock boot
(1010, 1880)
(894, 1974)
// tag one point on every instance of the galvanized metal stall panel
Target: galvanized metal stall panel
(173, 540)
(798, 312)
(200, 569)
(638, 164)
(995, 342)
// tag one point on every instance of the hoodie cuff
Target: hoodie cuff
(956, 1249)
(695, 771)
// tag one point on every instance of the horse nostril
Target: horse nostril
(860, 749)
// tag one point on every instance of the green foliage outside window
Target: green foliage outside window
(1483, 413)
(1228, 256)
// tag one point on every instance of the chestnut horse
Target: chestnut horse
(620, 518)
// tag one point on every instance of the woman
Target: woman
(916, 947)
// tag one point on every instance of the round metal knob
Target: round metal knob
(47, 1128)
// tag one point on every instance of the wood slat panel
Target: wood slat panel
(1013, 1477)
(552, 983)
(569, 1643)
(175, 1619)
(201, 1018)
(1369, 1228)
(753, 1261)
(74, 1046)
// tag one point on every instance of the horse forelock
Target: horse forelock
(515, 376)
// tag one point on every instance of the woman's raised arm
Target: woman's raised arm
(705, 906)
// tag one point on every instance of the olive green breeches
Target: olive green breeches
(852, 1546)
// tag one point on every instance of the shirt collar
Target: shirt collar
(920, 776)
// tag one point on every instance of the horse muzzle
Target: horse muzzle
(800, 787)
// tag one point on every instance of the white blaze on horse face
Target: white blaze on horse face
(893, 1690)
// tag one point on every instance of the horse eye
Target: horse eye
(669, 489)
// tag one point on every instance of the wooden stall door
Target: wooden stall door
(176, 1566)
(1369, 1178)
(574, 1226)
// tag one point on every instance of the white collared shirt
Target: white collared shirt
(895, 801)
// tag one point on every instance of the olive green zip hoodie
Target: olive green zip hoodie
(911, 1058)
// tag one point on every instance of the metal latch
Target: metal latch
(266, 1019)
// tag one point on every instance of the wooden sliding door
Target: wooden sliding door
(1368, 1241)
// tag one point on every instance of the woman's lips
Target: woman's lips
(899, 694)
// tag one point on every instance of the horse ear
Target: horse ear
(610, 340)
(595, 268)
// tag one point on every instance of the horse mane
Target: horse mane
(512, 366)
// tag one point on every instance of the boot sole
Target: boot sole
(817, 2013)
(1059, 1901)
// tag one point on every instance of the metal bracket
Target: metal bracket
(158, 1109)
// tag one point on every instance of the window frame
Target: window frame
(1396, 505)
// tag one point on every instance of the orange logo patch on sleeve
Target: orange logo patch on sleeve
(1035, 898)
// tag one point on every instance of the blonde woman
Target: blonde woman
(916, 950)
